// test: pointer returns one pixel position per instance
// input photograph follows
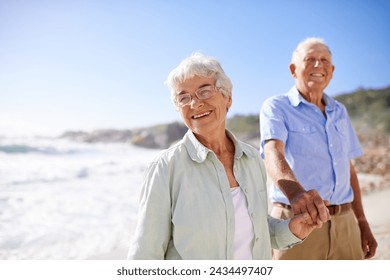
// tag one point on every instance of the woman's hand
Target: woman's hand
(302, 225)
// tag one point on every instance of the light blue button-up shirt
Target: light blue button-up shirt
(317, 148)
(186, 208)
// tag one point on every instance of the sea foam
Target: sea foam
(66, 200)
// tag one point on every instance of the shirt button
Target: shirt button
(331, 145)
(257, 239)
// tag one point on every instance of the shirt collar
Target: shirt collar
(329, 102)
(296, 98)
(198, 152)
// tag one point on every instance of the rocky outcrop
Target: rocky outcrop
(99, 136)
(155, 137)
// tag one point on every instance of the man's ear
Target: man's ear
(292, 70)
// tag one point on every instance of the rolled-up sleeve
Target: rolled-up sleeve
(272, 124)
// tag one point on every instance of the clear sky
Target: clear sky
(93, 64)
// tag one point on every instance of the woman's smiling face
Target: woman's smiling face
(207, 115)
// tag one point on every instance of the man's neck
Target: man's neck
(315, 97)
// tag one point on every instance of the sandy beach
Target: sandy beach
(377, 208)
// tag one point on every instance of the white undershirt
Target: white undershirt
(243, 234)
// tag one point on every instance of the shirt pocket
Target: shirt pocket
(303, 139)
(341, 127)
(342, 133)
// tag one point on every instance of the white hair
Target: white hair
(308, 41)
(199, 65)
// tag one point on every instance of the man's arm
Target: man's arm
(280, 172)
(369, 243)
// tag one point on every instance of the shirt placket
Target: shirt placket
(240, 176)
(332, 145)
(229, 207)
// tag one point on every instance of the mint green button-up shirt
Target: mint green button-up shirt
(186, 208)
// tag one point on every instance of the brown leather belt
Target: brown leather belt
(333, 209)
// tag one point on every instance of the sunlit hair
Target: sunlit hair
(308, 41)
(199, 65)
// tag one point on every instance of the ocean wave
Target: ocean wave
(25, 149)
(56, 195)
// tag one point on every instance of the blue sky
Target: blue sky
(84, 65)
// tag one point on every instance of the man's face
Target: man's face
(313, 68)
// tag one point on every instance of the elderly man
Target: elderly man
(307, 142)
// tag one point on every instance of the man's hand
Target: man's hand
(311, 202)
(301, 201)
(369, 243)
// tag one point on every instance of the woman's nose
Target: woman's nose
(195, 102)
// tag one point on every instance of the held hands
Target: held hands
(300, 227)
(311, 202)
(310, 212)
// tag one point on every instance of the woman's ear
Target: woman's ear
(229, 104)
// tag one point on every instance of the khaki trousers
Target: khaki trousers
(338, 239)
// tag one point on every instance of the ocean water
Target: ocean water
(67, 200)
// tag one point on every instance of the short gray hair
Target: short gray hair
(307, 41)
(199, 65)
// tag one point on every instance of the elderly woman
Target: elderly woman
(205, 197)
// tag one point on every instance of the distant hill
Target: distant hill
(246, 128)
(369, 111)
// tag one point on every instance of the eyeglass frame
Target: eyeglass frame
(213, 88)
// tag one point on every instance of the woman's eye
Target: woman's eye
(205, 92)
(183, 99)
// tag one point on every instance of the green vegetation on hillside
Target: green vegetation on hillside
(244, 124)
(368, 109)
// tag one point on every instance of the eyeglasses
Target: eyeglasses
(202, 93)
(312, 60)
